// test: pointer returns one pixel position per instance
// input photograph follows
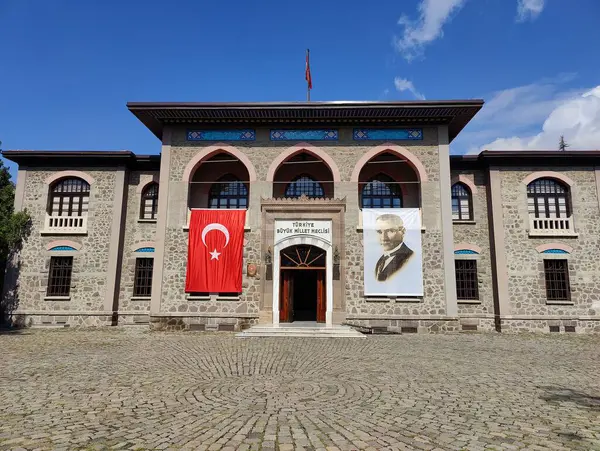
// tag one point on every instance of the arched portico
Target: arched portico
(310, 241)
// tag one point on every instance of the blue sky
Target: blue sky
(69, 66)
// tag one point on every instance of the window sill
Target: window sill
(57, 298)
(470, 222)
(392, 298)
(63, 232)
(552, 233)
(147, 221)
(560, 303)
(468, 301)
(140, 298)
(228, 298)
(198, 298)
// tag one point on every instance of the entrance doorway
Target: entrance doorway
(302, 284)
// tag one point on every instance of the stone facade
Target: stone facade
(510, 271)
(525, 270)
(86, 304)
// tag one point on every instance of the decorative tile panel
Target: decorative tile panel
(372, 134)
(63, 248)
(221, 135)
(304, 135)
(145, 249)
(555, 251)
(465, 252)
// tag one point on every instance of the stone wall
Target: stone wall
(476, 232)
(138, 233)
(345, 153)
(86, 305)
(526, 285)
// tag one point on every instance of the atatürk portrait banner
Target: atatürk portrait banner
(392, 252)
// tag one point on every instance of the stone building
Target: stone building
(509, 240)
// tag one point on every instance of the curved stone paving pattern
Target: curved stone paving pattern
(127, 389)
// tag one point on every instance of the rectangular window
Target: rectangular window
(466, 280)
(142, 285)
(556, 273)
(59, 278)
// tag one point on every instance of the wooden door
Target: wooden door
(286, 295)
(321, 297)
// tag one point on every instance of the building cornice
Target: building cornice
(456, 114)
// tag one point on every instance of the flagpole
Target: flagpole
(307, 82)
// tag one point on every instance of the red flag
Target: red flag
(215, 251)
(307, 72)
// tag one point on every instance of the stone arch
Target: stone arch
(461, 178)
(209, 151)
(142, 244)
(548, 174)
(467, 247)
(56, 243)
(64, 174)
(142, 185)
(545, 247)
(303, 147)
(412, 160)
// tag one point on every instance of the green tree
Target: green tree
(562, 144)
(14, 229)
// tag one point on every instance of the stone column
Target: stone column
(116, 242)
(20, 189)
(446, 216)
(502, 305)
(161, 224)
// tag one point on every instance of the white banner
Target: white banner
(392, 252)
(318, 228)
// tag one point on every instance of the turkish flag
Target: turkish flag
(307, 75)
(215, 251)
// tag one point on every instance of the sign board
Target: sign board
(305, 227)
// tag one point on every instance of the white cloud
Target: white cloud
(529, 9)
(516, 112)
(433, 14)
(576, 118)
(402, 84)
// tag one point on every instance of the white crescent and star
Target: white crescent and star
(214, 255)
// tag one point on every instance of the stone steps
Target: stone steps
(305, 331)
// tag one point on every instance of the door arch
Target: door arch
(302, 290)
(305, 240)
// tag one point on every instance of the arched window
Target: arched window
(462, 203)
(304, 185)
(228, 192)
(69, 197)
(548, 198)
(149, 207)
(381, 192)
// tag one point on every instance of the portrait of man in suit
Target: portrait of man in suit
(390, 232)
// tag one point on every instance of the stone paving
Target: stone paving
(132, 389)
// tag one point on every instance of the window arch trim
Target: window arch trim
(400, 151)
(63, 243)
(461, 178)
(52, 179)
(214, 150)
(548, 175)
(299, 148)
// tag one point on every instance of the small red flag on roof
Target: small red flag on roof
(307, 74)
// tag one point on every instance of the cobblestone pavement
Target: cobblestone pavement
(126, 389)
